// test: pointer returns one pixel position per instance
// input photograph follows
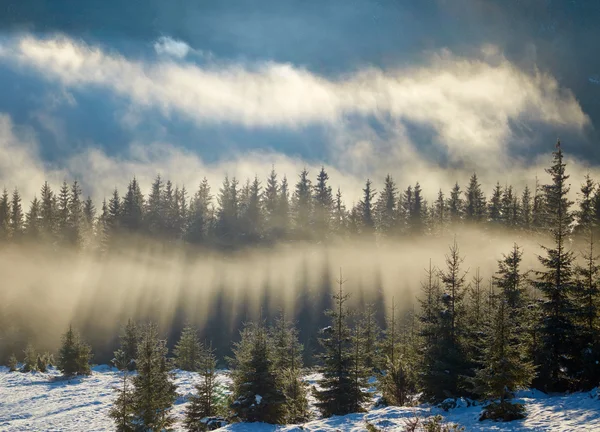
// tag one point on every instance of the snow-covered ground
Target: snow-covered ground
(41, 402)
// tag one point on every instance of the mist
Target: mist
(44, 291)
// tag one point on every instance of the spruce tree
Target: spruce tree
(74, 355)
(336, 396)
(30, 360)
(359, 371)
(187, 351)
(440, 214)
(4, 216)
(558, 331)
(365, 207)
(455, 205)
(154, 391)
(205, 403)
(585, 213)
(339, 216)
(525, 220)
(323, 204)
(75, 217)
(587, 301)
(302, 205)
(122, 409)
(475, 201)
(538, 219)
(284, 209)
(495, 205)
(370, 334)
(200, 215)
(17, 228)
(287, 361)
(48, 213)
(505, 369)
(62, 215)
(132, 209)
(446, 367)
(271, 205)
(33, 230)
(128, 340)
(385, 208)
(257, 391)
(393, 379)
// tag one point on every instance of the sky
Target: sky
(428, 91)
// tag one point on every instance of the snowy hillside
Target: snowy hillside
(43, 402)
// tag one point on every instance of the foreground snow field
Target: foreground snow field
(39, 402)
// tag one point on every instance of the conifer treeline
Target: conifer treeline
(251, 213)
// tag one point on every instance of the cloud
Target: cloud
(168, 46)
(468, 102)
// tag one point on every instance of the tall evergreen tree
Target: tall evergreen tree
(302, 205)
(504, 369)
(339, 216)
(122, 410)
(252, 218)
(228, 215)
(74, 355)
(370, 336)
(455, 205)
(132, 208)
(418, 212)
(475, 201)
(257, 391)
(525, 220)
(75, 218)
(48, 213)
(284, 209)
(587, 304)
(156, 209)
(538, 210)
(17, 227)
(585, 213)
(199, 215)
(323, 204)
(495, 205)
(385, 208)
(440, 215)
(365, 207)
(128, 341)
(205, 403)
(359, 371)
(33, 229)
(154, 391)
(4, 216)
(62, 214)
(271, 205)
(556, 283)
(187, 351)
(338, 391)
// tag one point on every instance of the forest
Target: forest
(483, 333)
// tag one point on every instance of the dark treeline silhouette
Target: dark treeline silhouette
(466, 337)
(253, 214)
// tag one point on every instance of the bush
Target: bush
(503, 411)
(12, 363)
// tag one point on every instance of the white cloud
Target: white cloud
(468, 102)
(168, 46)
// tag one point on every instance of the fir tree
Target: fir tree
(504, 369)
(302, 205)
(4, 216)
(495, 205)
(393, 378)
(122, 410)
(48, 213)
(132, 208)
(538, 209)
(271, 205)
(257, 395)
(205, 403)
(62, 215)
(128, 340)
(187, 350)
(385, 208)
(455, 205)
(370, 335)
(74, 355)
(556, 283)
(284, 209)
(17, 227)
(198, 228)
(287, 361)
(339, 216)
(359, 371)
(336, 396)
(365, 207)
(417, 213)
(440, 213)
(475, 201)
(587, 298)
(526, 210)
(33, 230)
(154, 391)
(30, 360)
(585, 213)
(156, 208)
(323, 204)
